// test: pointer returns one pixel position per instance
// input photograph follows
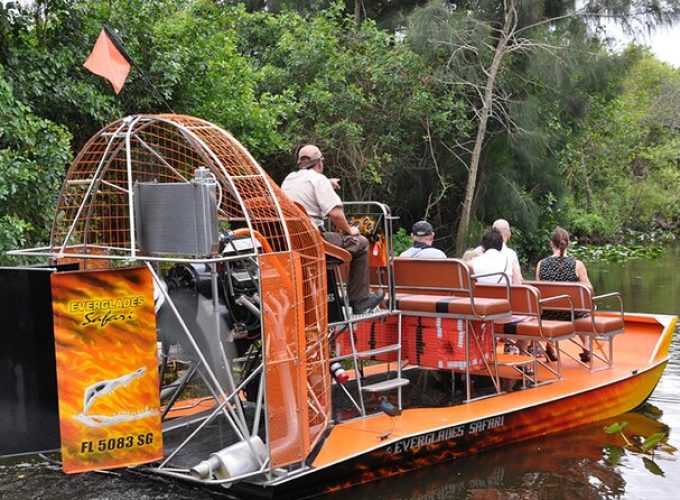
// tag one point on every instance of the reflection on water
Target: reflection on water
(651, 286)
(581, 463)
(647, 286)
(571, 465)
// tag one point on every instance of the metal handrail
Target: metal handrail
(605, 296)
(386, 212)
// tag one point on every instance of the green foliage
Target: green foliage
(638, 445)
(213, 80)
(533, 245)
(652, 466)
(613, 454)
(401, 240)
(647, 445)
(652, 441)
(46, 45)
(589, 226)
(279, 81)
(615, 427)
(616, 253)
(593, 147)
(33, 155)
(621, 165)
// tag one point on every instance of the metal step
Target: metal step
(374, 313)
(378, 350)
(386, 385)
(368, 353)
(513, 359)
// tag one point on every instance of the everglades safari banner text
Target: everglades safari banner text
(107, 368)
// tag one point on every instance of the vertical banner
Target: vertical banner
(107, 368)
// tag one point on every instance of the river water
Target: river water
(582, 463)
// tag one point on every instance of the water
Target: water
(581, 463)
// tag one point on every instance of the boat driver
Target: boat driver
(311, 189)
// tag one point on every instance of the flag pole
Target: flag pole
(114, 39)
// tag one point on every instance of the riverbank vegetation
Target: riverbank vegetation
(631, 244)
(447, 111)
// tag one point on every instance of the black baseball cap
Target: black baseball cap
(422, 228)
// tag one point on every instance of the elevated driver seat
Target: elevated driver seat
(337, 268)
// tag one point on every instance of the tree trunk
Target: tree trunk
(357, 12)
(487, 103)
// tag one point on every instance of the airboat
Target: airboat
(189, 320)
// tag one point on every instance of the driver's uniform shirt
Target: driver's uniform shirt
(313, 191)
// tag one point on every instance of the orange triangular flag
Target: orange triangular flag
(108, 60)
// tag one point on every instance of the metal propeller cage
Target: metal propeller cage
(95, 225)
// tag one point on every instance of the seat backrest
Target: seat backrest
(523, 298)
(581, 294)
(431, 276)
(332, 251)
(337, 252)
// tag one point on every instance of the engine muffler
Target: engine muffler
(232, 461)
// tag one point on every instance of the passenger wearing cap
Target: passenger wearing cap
(315, 192)
(422, 234)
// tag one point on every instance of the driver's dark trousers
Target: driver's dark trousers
(357, 283)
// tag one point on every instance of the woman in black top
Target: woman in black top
(561, 267)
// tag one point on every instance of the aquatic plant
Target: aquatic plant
(634, 245)
(616, 253)
(639, 445)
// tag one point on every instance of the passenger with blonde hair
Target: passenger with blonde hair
(470, 254)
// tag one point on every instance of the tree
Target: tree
(512, 28)
(33, 155)
(45, 45)
(622, 164)
(360, 94)
(213, 78)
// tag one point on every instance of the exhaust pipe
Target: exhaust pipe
(232, 461)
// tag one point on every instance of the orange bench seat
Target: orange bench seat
(593, 326)
(599, 325)
(547, 329)
(461, 306)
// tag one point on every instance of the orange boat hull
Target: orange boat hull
(452, 442)
(379, 446)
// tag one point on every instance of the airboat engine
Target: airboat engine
(218, 304)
